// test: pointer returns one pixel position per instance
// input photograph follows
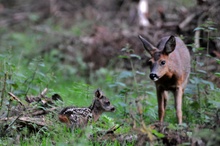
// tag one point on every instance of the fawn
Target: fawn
(170, 69)
(79, 117)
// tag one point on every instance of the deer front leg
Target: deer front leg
(178, 103)
(162, 100)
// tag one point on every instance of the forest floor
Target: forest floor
(54, 47)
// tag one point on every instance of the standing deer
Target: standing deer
(79, 117)
(170, 69)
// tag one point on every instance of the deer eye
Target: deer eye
(163, 62)
(107, 103)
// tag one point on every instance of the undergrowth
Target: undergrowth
(130, 91)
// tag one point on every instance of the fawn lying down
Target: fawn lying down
(79, 117)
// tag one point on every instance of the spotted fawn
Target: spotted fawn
(79, 117)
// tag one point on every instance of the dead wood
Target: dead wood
(40, 112)
(16, 98)
(31, 114)
(26, 120)
(184, 24)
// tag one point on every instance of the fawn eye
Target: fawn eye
(107, 103)
(163, 62)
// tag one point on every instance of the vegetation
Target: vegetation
(26, 71)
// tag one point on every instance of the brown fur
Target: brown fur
(170, 69)
(63, 119)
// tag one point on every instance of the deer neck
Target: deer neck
(96, 111)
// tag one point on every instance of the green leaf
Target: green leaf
(135, 56)
(158, 134)
(122, 104)
(208, 83)
(198, 28)
(218, 61)
(212, 28)
(20, 75)
(195, 80)
(121, 84)
(215, 103)
(124, 49)
(150, 93)
(123, 56)
(140, 73)
(195, 105)
(172, 127)
(19, 92)
(10, 82)
(40, 73)
(200, 49)
(125, 74)
(33, 17)
(2, 56)
(217, 74)
(189, 134)
(202, 71)
(41, 64)
(15, 86)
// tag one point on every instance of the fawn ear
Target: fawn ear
(170, 45)
(98, 93)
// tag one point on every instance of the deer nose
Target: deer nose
(112, 109)
(153, 76)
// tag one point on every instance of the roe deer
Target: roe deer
(170, 69)
(79, 117)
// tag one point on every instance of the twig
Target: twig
(187, 21)
(113, 129)
(197, 38)
(42, 94)
(12, 123)
(15, 98)
(41, 112)
(3, 90)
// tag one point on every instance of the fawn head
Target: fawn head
(159, 61)
(102, 103)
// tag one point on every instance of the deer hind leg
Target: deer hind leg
(178, 103)
(162, 102)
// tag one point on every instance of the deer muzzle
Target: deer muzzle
(154, 76)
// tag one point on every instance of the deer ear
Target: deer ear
(148, 46)
(98, 93)
(170, 45)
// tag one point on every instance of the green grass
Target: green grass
(28, 73)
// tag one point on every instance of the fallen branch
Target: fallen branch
(12, 123)
(187, 21)
(38, 121)
(42, 94)
(15, 98)
(42, 112)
